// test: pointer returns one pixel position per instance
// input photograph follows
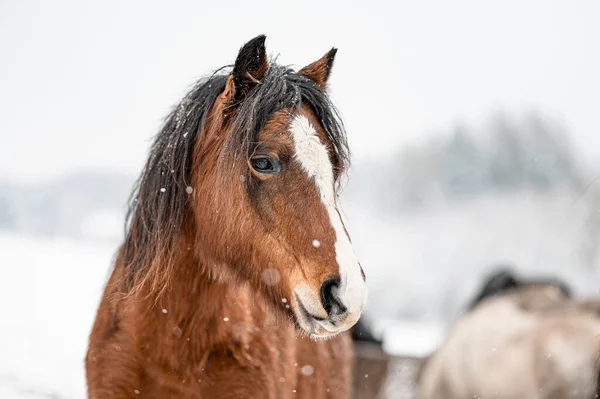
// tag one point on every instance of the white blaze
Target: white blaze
(313, 156)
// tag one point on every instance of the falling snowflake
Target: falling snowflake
(189, 189)
(316, 243)
(164, 310)
(271, 276)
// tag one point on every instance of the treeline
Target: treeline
(507, 153)
(66, 206)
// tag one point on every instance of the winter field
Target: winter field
(49, 293)
(422, 268)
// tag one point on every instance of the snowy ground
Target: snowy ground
(48, 296)
(421, 267)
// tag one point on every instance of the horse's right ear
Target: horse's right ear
(250, 67)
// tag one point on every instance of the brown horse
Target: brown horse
(237, 276)
(520, 340)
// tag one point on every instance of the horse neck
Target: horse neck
(197, 312)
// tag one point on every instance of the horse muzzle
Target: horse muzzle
(336, 309)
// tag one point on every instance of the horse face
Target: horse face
(292, 191)
(275, 212)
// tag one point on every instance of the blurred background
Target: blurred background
(473, 125)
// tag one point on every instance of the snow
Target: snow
(307, 370)
(413, 339)
(49, 293)
(271, 276)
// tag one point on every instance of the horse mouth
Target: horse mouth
(305, 312)
(315, 326)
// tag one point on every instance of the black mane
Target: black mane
(504, 280)
(160, 199)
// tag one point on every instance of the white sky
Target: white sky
(86, 84)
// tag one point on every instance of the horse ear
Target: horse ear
(319, 70)
(250, 67)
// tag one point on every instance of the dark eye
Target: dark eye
(264, 164)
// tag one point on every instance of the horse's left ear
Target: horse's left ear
(319, 70)
(250, 67)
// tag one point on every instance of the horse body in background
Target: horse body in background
(234, 246)
(519, 340)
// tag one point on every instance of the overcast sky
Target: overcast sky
(86, 84)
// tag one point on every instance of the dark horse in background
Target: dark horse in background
(519, 339)
(504, 281)
(237, 278)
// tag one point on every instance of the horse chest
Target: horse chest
(295, 368)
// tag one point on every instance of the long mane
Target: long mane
(161, 199)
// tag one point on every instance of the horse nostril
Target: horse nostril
(329, 299)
